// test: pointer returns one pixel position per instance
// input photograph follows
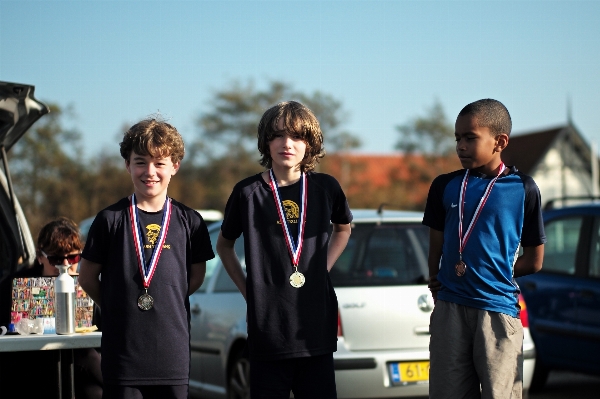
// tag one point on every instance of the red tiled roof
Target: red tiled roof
(369, 180)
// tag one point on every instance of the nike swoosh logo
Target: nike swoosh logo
(453, 205)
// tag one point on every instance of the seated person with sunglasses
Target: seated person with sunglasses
(54, 260)
(58, 243)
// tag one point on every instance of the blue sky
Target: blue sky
(387, 61)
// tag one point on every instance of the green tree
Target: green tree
(431, 134)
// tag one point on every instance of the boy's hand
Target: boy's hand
(337, 242)
(434, 286)
(231, 263)
(530, 262)
(436, 243)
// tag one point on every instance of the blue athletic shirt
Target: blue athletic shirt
(511, 215)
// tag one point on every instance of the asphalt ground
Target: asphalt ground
(568, 385)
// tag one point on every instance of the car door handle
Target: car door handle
(422, 330)
(195, 309)
(586, 294)
(530, 286)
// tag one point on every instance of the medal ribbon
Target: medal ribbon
(147, 270)
(461, 209)
(294, 247)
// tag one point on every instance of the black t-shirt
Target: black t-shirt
(283, 321)
(146, 347)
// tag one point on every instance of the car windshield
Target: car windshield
(386, 254)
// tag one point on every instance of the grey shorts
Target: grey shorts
(474, 353)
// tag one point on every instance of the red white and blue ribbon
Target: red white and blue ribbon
(294, 246)
(147, 269)
(461, 209)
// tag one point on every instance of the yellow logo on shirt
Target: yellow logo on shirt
(152, 233)
(292, 211)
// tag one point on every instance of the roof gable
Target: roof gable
(525, 151)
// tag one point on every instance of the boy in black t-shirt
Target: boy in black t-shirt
(284, 214)
(151, 252)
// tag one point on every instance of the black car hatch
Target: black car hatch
(18, 111)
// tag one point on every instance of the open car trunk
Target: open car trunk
(18, 111)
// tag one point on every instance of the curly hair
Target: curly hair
(298, 120)
(491, 114)
(60, 236)
(153, 137)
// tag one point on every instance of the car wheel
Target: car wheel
(238, 384)
(540, 375)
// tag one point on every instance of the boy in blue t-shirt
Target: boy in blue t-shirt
(478, 219)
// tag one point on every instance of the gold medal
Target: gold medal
(294, 247)
(145, 302)
(297, 279)
(460, 268)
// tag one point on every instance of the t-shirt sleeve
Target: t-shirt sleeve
(96, 244)
(200, 241)
(435, 214)
(231, 228)
(533, 233)
(340, 212)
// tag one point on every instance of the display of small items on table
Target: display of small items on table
(33, 297)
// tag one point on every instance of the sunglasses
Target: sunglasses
(58, 260)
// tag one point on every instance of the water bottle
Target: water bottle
(64, 302)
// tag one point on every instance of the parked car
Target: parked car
(383, 325)
(209, 216)
(563, 299)
(18, 111)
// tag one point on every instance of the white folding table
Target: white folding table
(62, 343)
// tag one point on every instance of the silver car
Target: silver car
(383, 326)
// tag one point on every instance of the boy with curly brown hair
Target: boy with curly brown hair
(143, 256)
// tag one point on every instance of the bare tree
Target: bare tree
(45, 165)
(231, 123)
(431, 134)
(226, 148)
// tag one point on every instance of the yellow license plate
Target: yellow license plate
(406, 372)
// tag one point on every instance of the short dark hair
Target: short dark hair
(59, 236)
(298, 120)
(491, 114)
(153, 137)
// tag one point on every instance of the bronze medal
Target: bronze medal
(460, 268)
(297, 279)
(145, 302)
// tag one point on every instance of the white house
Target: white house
(560, 161)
